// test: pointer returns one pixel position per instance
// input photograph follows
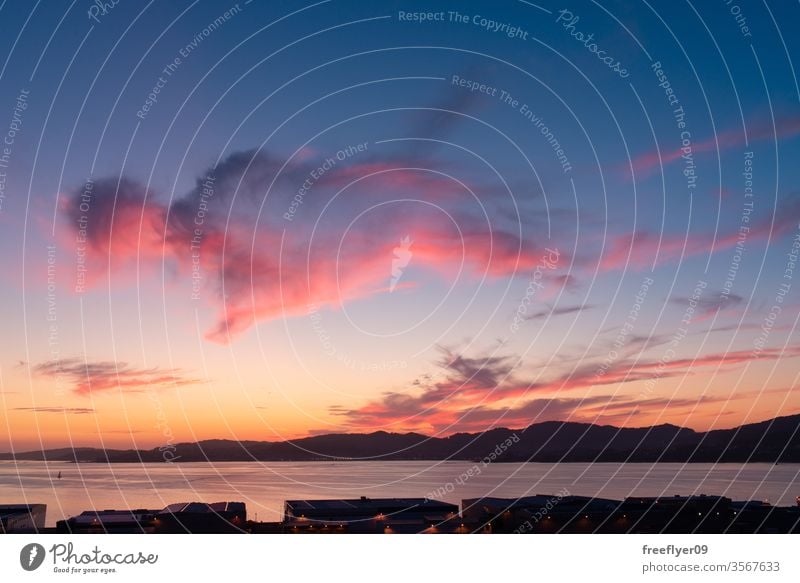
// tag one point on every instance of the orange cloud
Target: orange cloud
(88, 377)
(487, 390)
(260, 266)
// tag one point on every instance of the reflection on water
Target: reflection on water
(264, 486)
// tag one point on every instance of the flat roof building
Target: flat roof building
(22, 517)
(199, 517)
(540, 513)
(109, 521)
(182, 517)
(375, 515)
(659, 514)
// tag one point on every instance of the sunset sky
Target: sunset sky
(271, 220)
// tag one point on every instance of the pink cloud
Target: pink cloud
(640, 249)
(647, 163)
(259, 266)
(479, 391)
(264, 285)
(88, 377)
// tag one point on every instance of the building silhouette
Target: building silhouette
(21, 518)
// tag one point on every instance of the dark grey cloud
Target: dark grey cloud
(561, 311)
(710, 302)
(63, 410)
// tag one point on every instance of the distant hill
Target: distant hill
(776, 440)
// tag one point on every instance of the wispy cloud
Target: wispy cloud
(62, 410)
(119, 431)
(88, 377)
(711, 304)
(562, 311)
(786, 127)
(641, 248)
(475, 391)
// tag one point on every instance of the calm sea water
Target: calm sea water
(264, 486)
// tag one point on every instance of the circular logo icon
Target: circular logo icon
(31, 556)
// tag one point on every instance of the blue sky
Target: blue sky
(579, 159)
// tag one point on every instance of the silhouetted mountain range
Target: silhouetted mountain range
(776, 440)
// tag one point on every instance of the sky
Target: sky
(263, 220)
